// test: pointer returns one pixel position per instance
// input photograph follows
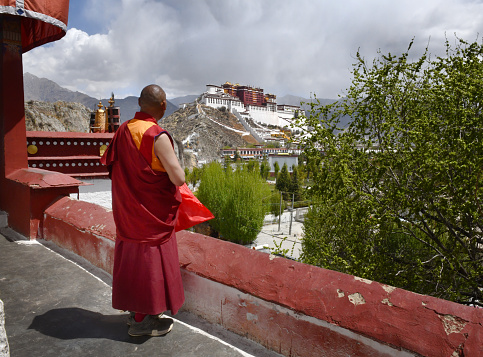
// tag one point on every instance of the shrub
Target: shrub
(236, 200)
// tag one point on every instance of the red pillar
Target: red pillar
(12, 112)
(24, 192)
(12, 117)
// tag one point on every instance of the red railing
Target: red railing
(74, 154)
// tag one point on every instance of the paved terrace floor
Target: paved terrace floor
(57, 304)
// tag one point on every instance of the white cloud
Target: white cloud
(283, 46)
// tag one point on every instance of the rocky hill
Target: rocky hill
(199, 131)
(43, 89)
(204, 131)
(58, 116)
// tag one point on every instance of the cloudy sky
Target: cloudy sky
(284, 46)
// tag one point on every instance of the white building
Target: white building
(289, 160)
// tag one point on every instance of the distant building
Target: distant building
(290, 160)
(250, 102)
(257, 153)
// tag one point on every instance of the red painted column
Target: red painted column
(12, 114)
(13, 155)
(24, 193)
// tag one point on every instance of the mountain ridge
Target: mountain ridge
(200, 132)
(45, 90)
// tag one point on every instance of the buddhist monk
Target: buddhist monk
(146, 176)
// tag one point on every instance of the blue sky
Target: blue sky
(284, 46)
(79, 18)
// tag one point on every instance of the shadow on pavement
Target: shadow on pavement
(73, 323)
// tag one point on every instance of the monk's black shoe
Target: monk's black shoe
(130, 318)
(152, 325)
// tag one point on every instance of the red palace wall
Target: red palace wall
(290, 307)
(248, 95)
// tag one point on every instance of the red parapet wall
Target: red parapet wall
(396, 317)
(292, 308)
(83, 228)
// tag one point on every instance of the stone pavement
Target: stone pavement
(60, 305)
(287, 238)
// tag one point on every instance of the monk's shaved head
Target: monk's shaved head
(153, 101)
(152, 95)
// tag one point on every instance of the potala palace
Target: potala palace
(250, 103)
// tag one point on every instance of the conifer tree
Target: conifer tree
(264, 169)
(276, 169)
(283, 183)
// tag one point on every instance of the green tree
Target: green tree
(275, 203)
(194, 176)
(312, 167)
(276, 168)
(306, 167)
(227, 162)
(264, 169)
(295, 186)
(283, 183)
(186, 174)
(253, 166)
(274, 144)
(236, 200)
(398, 192)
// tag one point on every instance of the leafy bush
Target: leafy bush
(236, 200)
(398, 192)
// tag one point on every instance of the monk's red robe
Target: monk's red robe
(146, 273)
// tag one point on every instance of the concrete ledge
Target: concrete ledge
(84, 228)
(293, 308)
(396, 317)
(4, 349)
(26, 194)
(281, 329)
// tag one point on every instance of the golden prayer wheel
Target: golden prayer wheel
(100, 121)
